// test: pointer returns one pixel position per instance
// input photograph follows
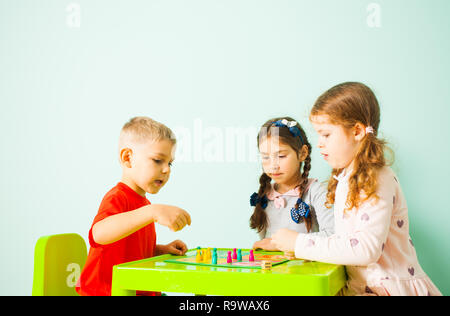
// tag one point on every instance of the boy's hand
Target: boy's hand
(265, 244)
(284, 239)
(171, 216)
(176, 247)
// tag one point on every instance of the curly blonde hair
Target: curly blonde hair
(347, 104)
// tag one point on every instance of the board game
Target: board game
(229, 258)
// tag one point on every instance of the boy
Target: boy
(124, 228)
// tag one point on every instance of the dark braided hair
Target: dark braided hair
(258, 220)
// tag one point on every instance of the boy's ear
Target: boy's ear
(125, 157)
(173, 152)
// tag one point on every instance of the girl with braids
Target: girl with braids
(293, 200)
(371, 216)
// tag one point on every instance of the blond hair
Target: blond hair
(142, 129)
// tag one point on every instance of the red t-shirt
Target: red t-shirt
(96, 277)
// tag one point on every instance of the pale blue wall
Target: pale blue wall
(65, 93)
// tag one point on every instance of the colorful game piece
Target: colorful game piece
(223, 258)
(251, 257)
(229, 260)
(234, 254)
(239, 255)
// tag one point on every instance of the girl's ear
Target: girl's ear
(125, 157)
(359, 131)
(304, 152)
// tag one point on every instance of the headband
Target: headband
(292, 125)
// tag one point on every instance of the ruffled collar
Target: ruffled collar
(344, 175)
(277, 197)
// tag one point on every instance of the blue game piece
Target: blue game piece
(214, 258)
(239, 255)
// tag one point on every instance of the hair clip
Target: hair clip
(292, 125)
(369, 129)
(302, 211)
(255, 199)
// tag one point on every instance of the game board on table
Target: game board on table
(229, 258)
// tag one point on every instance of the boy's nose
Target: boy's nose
(165, 170)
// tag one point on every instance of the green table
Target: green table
(296, 277)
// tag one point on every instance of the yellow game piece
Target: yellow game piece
(198, 257)
(208, 254)
(204, 255)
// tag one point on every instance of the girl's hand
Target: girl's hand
(284, 239)
(176, 247)
(265, 244)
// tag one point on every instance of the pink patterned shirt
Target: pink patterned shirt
(373, 243)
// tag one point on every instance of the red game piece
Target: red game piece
(234, 254)
(229, 257)
(251, 257)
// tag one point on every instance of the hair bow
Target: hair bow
(302, 211)
(288, 124)
(255, 199)
(292, 125)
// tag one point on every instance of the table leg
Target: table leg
(117, 289)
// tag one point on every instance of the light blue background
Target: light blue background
(65, 93)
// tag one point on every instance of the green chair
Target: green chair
(58, 261)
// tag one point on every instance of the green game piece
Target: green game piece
(239, 255)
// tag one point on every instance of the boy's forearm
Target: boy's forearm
(160, 250)
(116, 227)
